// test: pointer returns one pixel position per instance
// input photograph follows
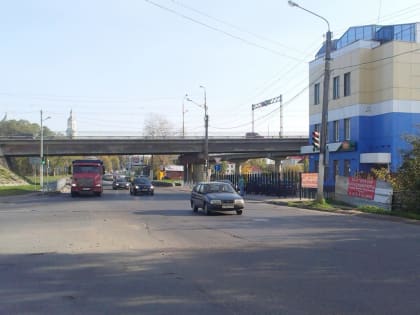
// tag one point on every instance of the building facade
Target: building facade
(374, 98)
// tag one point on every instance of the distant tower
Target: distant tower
(71, 126)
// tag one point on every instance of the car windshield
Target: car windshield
(218, 188)
(108, 177)
(80, 169)
(143, 181)
(121, 179)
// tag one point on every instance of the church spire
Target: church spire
(71, 126)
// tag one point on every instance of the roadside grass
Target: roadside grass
(17, 190)
(333, 206)
(35, 179)
(33, 186)
(395, 213)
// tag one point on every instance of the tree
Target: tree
(22, 128)
(158, 126)
(408, 176)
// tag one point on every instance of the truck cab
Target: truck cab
(87, 177)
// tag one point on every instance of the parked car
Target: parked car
(142, 185)
(121, 183)
(216, 196)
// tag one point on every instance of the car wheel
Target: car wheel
(206, 209)
(238, 212)
(194, 207)
(152, 193)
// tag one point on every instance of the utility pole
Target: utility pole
(41, 165)
(183, 115)
(323, 165)
(206, 172)
(281, 117)
(323, 161)
(206, 137)
(42, 161)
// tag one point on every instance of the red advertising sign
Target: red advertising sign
(361, 188)
(309, 180)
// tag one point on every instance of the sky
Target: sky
(117, 64)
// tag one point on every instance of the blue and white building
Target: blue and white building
(374, 98)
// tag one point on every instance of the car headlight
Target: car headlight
(137, 187)
(151, 187)
(216, 202)
(73, 185)
(239, 202)
(98, 185)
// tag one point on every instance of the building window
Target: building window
(336, 87)
(336, 135)
(316, 94)
(347, 169)
(347, 90)
(336, 168)
(347, 129)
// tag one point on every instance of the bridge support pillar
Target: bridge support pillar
(237, 168)
(197, 173)
(188, 173)
(277, 165)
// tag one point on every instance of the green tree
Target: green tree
(22, 128)
(408, 176)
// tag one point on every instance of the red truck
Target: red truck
(87, 177)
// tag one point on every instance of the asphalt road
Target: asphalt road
(122, 254)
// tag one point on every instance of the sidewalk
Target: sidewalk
(273, 199)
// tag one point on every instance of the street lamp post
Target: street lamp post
(206, 133)
(323, 165)
(183, 114)
(41, 165)
(206, 137)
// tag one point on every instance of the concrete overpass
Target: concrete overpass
(190, 149)
(21, 147)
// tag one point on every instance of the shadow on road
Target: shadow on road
(310, 279)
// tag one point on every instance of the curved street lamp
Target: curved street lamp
(323, 165)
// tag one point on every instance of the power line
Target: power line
(216, 29)
(261, 37)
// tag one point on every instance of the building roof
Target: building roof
(381, 33)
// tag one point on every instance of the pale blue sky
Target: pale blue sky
(117, 62)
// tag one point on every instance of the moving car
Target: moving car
(107, 180)
(121, 183)
(141, 185)
(216, 196)
(236, 187)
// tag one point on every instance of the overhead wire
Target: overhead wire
(390, 16)
(235, 27)
(216, 29)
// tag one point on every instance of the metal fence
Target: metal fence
(271, 184)
(286, 184)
